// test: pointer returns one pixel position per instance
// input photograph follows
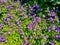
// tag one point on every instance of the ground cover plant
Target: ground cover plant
(29, 22)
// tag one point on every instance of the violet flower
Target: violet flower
(2, 39)
(22, 43)
(8, 23)
(52, 14)
(23, 14)
(54, 26)
(22, 33)
(30, 26)
(35, 9)
(1, 26)
(57, 29)
(48, 19)
(44, 43)
(52, 43)
(34, 29)
(44, 16)
(34, 15)
(58, 21)
(49, 29)
(37, 20)
(31, 36)
(22, 7)
(26, 41)
(56, 16)
(9, 32)
(45, 37)
(52, 19)
(22, 36)
(57, 36)
(6, 41)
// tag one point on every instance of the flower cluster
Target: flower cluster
(35, 9)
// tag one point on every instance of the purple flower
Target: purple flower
(22, 36)
(30, 26)
(52, 14)
(57, 36)
(1, 26)
(45, 37)
(49, 29)
(31, 12)
(44, 15)
(36, 6)
(22, 43)
(54, 26)
(2, 36)
(22, 7)
(34, 29)
(35, 9)
(23, 14)
(37, 20)
(9, 32)
(2, 39)
(22, 33)
(8, 19)
(6, 41)
(58, 21)
(31, 36)
(48, 19)
(57, 29)
(26, 41)
(8, 23)
(56, 16)
(34, 15)
(44, 43)
(52, 43)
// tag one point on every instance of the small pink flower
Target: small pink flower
(16, 9)
(44, 15)
(9, 33)
(31, 36)
(26, 41)
(45, 37)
